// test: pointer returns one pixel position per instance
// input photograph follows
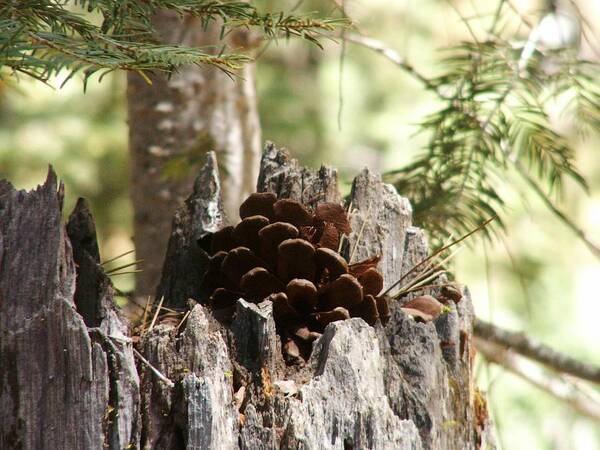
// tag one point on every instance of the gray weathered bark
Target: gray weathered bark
(173, 123)
(407, 385)
(62, 384)
(403, 386)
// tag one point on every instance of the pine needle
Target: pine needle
(108, 261)
(183, 320)
(156, 313)
(156, 372)
(145, 315)
(360, 233)
(439, 251)
(124, 266)
(124, 273)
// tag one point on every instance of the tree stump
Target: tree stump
(68, 378)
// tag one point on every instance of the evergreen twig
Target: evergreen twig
(40, 38)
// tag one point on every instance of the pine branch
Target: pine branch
(455, 182)
(42, 37)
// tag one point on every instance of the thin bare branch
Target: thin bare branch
(392, 55)
(553, 385)
(524, 19)
(522, 171)
(526, 346)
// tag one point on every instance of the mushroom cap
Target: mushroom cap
(334, 214)
(345, 291)
(418, 315)
(330, 237)
(358, 268)
(291, 349)
(258, 203)
(283, 312)
(304, 334)
(331, 260)
(367, 310)
(452, 291)
(271, 236)
(259, 283)
(309, 233)
(324, 318)
(212, 278)
(223, 240)
(371, 281)
(293, 212)
(246, 232)
(296, 260)
(238, 262)
(224, 298)
(426, 304)
(383, 308)
(302, 294)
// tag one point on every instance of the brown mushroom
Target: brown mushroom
(452, 291)
(324, 318)
(212, 278)
(296, 260)
(223, 240)
(367, 310)
(283, 312)
(358, 268)
(291, 349)
(309, 233)
(345, 291)
(330, 237)
(259, 283)
(239, 261)
(224, 298)
(371, 281)
(426, 304)
(334, 214)
(383, 308)
(246, 232)
(331, 261)
(293, 212)
(271, 236)
(305, 335)
(302, 295)
(418, 315)
(258, 203)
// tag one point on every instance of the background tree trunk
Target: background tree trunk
(67, 378)
(173, 123)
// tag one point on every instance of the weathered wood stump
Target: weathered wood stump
(68, 378)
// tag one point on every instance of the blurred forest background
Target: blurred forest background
(360, 110)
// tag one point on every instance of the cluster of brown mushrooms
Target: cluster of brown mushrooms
(287, 254)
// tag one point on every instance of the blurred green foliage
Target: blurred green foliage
(537, 278)
(83, 137)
